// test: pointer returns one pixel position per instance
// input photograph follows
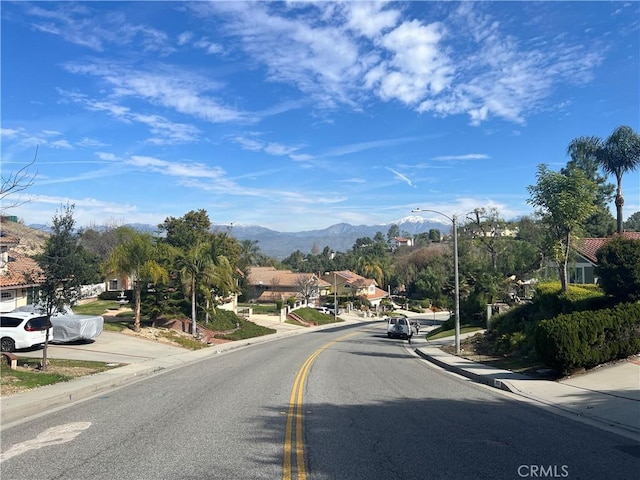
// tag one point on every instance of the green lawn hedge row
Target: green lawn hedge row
(589, 338)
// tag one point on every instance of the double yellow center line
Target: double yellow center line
(294, 450)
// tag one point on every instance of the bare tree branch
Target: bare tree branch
(17, 182)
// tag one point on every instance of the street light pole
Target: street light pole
(454, 221)
(335, 297)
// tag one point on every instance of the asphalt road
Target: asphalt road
(344, 403)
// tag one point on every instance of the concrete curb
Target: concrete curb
(489, 380)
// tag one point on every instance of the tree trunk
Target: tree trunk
(45, 360)
(193, 308)
(564, 276)
(619, 204)
(136, 322)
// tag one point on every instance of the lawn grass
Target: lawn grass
(28, 375)
(439, 333)
(183, 341)
(247, 329)
(123, 322)
(261, 308)
(97, 307)
(311, 315)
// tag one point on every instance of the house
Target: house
(397, 242)
(268, 285)
(347, 283)
(20, 276)
(583, 269)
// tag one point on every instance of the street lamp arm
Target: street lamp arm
(421, 210)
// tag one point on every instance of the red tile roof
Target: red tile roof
(20, 271)
(273, 277)
(588, 247)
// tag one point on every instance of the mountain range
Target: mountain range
(339, 237)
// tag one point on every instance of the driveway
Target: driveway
(109, 347)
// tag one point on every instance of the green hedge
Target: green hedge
(116, 295)
(589, 338)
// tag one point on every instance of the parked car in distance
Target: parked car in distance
(326, 310)
(22, 330)
(399, 327)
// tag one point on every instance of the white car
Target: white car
(22, 330)
(399, 327)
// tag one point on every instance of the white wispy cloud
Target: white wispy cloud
(363, 146)
(10, 133)
(401, 177)
(428, 67)
(175, 169)
(468, 156)
(163, 131)
(173, 88)
(339, 54)
(61, 144)
(83, 25)
(251, 143)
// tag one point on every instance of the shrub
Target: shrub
(116, 295)
(619, 268)
(588, 338)
(552, 301)
(514, 330)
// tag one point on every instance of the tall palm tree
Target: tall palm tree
(196, 267)
(617, 155)
(221, 282)
(137, 258)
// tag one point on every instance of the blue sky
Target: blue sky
(297, 115)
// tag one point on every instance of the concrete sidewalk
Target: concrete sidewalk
(607, 397)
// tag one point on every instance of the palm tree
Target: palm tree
(249, 253)
(196, 267)
(221, 282)
(202, 271)
(373, 269)
(136, 258)
(617, 155)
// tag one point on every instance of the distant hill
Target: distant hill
(339, 237)
(32, 240)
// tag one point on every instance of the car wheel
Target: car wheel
(7, 345)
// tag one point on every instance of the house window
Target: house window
(33, 295)
(113, 284)
(6, 296)
(577, 275)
